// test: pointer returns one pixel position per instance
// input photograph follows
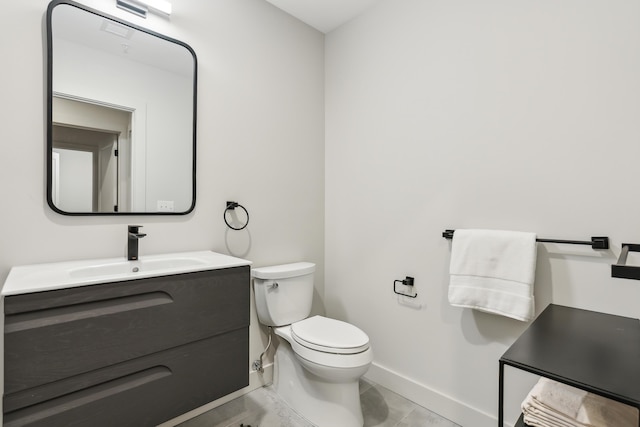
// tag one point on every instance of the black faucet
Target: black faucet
(132, 242)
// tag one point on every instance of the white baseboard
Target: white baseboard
(256, 380)
(446, 406)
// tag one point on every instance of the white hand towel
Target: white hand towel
(493, 271)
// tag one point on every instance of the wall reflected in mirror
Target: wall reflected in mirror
(121, 122)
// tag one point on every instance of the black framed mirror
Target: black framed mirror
(121, 116)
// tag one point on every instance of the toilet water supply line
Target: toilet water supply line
(257, 364)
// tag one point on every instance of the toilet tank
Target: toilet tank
(283, 292)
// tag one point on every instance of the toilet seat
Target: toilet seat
(329, 335)
(335, 357)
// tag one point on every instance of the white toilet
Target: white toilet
(319, 361)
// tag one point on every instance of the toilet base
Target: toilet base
(324, 402)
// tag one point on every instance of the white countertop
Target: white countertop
(59, 275)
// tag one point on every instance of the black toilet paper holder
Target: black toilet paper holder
(408, 281)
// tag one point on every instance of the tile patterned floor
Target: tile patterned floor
(263, 408)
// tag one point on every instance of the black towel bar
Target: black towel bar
(601, 242)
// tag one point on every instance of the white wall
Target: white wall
(497, 114)
(260, 142)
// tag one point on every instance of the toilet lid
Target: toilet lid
(329, 335)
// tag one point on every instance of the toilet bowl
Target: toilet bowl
(319, 361)
(319, 381)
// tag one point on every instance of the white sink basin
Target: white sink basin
(45, 277)
(142, 265)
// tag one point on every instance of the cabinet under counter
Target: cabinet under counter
(139, 352)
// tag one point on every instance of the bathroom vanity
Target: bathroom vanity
(129, 345)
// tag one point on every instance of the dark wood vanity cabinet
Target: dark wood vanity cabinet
(133, 353)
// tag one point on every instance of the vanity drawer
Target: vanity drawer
(58, 334)
(141, 392)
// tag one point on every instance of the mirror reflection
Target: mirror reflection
(121, 119)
